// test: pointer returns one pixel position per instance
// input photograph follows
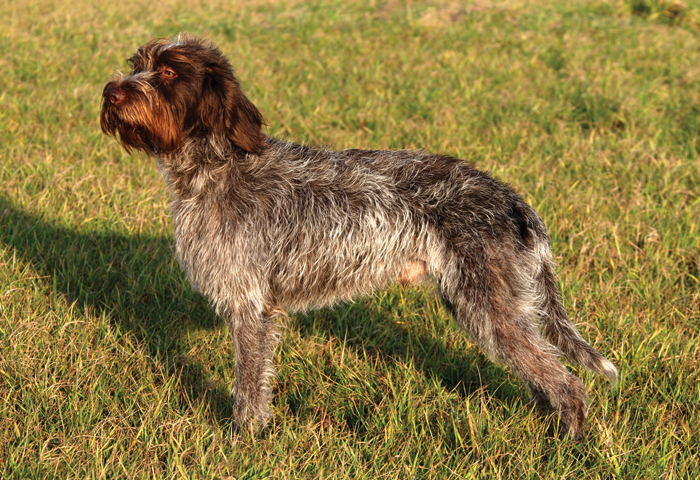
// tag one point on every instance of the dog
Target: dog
(264, 226)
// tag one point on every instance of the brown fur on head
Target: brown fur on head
(179, 89)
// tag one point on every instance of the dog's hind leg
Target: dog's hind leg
(494, 304)
(549, 382)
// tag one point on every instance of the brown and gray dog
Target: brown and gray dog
(264, 226)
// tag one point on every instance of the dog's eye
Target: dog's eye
(167, 73)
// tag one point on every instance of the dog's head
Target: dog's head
(179, 89)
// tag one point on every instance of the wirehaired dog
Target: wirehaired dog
(264, 226)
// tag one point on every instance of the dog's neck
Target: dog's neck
(198, 163)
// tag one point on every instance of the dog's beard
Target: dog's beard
(139, 127)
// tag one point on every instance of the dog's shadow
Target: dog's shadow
(135, 282)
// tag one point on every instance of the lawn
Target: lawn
(112, 367)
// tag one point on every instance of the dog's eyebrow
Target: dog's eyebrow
(173, 56)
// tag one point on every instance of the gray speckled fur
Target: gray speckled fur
(264, 226)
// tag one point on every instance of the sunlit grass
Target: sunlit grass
(111, 367)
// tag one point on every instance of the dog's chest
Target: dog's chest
(210, 246)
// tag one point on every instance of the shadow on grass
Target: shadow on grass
(376, 332)
(135, 282)
(132, 280)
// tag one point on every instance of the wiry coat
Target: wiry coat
(263, 226)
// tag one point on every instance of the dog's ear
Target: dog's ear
(226, 110)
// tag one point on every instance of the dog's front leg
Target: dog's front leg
(255, 334)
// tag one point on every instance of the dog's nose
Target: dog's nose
(113, 95)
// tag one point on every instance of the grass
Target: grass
(111, 367)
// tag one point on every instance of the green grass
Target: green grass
(111, 367)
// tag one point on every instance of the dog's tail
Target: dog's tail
(556, 326)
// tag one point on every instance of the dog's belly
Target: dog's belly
(413, 271)
(323, 273)
(324, 288)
